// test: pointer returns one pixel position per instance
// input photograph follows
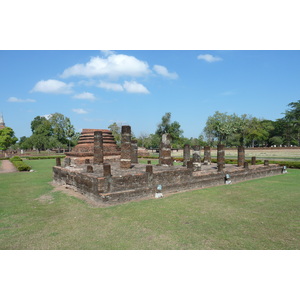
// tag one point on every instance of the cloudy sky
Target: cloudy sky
(97, 88)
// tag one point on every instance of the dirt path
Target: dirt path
(7, 167)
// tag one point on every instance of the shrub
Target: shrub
(15, 158)
(19, 164)
(44, 157)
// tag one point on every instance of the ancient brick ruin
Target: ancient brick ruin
(107, 174)
(91, 143)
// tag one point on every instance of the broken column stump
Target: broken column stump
(165, 150)
(149, 169)
(253, 160)
(220, 157)
(241, 156)
(106, 170)
(207, 155)
(186, 154)
(125, 161)
(134, 152)
(58, 161)
(89, 169)
(196, 158)
(98, 148)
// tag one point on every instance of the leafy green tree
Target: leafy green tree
(220, 126)
(276, 140)
(167, 127)
(257, 133)
(62, 128)
(116, 132)
(54, 132)
(292, 116)
(26, 143)
(7, 138)
(40, 141)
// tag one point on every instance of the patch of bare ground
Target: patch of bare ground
(7, 167)
(72, 192)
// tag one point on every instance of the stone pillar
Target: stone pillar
(134, 152)
(89, 169)
(253, 160)
(165, 150)
(149, 169)
(125, 162)
(246, 165)
(197, 159)
(266, 162)
(186, 154)
(189, 164)
(149, 162)
(196, 154)
(220, 167)
(106, 170)
(220, 157)
(67, 161)
(58, 162)
(241, 156)
(98, 148)
(207, 155)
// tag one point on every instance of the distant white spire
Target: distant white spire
(2, 124)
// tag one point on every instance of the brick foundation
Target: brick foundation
(120, 185)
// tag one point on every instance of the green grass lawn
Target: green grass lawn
(258, 214)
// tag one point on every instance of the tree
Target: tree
(7, 138)
(62, 127)
(220, 126)
(40, 141)
(167, 127)
(54, 132)
(116, 132)
(292, 116)
(258, 132)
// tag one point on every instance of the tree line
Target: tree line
(229, 129)
(56, 131)
(233, 130)
(245, 130)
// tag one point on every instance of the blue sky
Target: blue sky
(97, 88)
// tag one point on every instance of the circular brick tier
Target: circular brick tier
(85, 147)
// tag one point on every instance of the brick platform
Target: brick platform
(121, 185)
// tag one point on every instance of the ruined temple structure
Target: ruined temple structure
(107, 175)
(86, 147)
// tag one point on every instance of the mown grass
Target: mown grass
(258, 214)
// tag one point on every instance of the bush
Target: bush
(15, 158)
(288, 164)
(19, 164)
(44, 157)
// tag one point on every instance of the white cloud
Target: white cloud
(209, 58)
(107, 52)
(115, 65)
(53, 86)
(135, 87)
(163, 71)
(14, 99)
(85, 95)
(79, 111)
(111, 86)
